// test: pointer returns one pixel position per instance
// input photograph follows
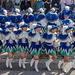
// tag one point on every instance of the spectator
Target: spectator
(62, 2)
(47, 5)
(37, 5)
(8, 5)
(3, 5)
(23, 5)
(56, 3)
(28, 4)
(0, 7)
(70, 3)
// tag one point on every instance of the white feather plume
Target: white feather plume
(21, 23)
(30, 10)
(67, 8)
(7, 24)
(53, 9)
(5, 12)
(41, 10)
(17, 10)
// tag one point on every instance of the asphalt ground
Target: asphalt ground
(30, 70)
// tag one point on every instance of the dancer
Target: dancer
(49, 40)
(23, 44)
(3, 18)
(36, 46)
(10, 45)
(16, 18)
(65, 48)
(28, 17)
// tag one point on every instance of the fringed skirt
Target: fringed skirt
(10, 47)
(65, 50)
(49, 49)
(23, 47)
(36, 48)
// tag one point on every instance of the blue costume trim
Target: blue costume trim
(46, 36)
(35, 47)
(62, 37)
(28, 18)
(51, 17)
(16, 19)
(3, 19)
(32, 34)
(15, 32)
(23, 44)
(63, 13)
(52, 24)
(39, 17)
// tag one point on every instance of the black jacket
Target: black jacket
(28, 4)
(23, 5)
(55, 1)
(8, 6)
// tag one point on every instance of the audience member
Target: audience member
(37, 5)
(47, 5)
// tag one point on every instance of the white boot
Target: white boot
(24, 63)
(73, 65)
(20, 62)
(63, 67)
(48, 63)
(60, 63)
(36, 65)
(32, 62)
(7, 62)
(10, 63)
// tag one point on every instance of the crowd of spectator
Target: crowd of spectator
(36, 4)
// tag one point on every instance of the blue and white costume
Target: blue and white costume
(23, 43)
(68, 22)
(36, 45)
(40, 18)
(16, 18)
(65, 42)
(49, 39)
(29, 17)
(23, 39)
(11, 42)
(65, 47)
(35, 39)
(68, 10)
(3, 18)
(10, 38)
(52, 16)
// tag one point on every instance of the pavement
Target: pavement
(30, 70)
